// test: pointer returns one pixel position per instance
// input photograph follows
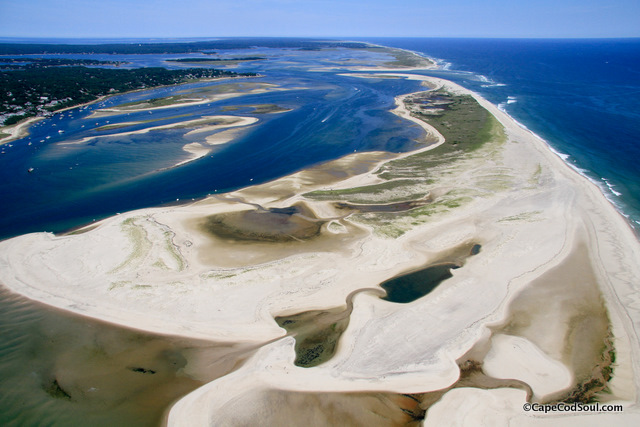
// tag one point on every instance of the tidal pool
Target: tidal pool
(409, 287)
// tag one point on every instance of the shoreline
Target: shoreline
(561, 156)
(577, 210)
(602, 184)
(233, 122)
(368, 177)
(21, 129)
(627, 351)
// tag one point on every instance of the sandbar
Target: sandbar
(207, 124)
(187, 98)
(17, 131)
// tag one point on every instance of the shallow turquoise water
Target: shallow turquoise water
(58, 369)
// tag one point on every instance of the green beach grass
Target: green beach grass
(469, 131)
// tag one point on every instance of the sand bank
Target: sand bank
(187, 98)
(538, 222)
(17, 131)
(203, 125)
(196, 150)
(404, 60)
(227, 122)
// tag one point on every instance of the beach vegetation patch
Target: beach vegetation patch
(173, 250)
(139, 242)
(386, 207)
(535, 177)
(160, 264)
(174, 100)
(525, 216)
(386, 192)
(115, 126)
(589, 390)
(119, 284)
(54, 390)
(396, 224)
(316, 332)
(258, 108)
(463, 122)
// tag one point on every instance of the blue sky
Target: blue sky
(320, 18)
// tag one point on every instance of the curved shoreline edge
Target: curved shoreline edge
(565, 212)
(21, 130)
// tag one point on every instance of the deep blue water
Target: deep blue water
(581, 96)
(72, 184)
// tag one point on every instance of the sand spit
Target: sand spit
(215, 125)
(17, 131)
(203, 124)
(405, 60)
(196, 150)
(552, 293)
(226, 122)
(189, 98)
(232, 123)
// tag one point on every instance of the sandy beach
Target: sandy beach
(234, 125)
(545, 311)
(17, 131)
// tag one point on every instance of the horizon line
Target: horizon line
(345, 38)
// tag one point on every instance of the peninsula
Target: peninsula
(452, 284)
